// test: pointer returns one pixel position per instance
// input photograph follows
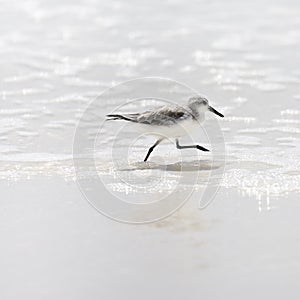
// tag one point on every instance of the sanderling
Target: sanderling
(170, 121)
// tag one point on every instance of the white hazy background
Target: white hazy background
(56, 56)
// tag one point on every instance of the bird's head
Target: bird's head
(201, 104)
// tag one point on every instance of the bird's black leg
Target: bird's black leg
(151, 149)
(191, 146)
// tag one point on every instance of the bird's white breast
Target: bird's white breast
(176, 130)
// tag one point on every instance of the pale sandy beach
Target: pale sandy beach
(58, 57)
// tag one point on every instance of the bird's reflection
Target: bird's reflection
(180, 166)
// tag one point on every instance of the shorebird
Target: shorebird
(170, 121)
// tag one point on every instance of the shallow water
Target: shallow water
(57, 56)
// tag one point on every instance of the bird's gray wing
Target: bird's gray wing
(164, 115)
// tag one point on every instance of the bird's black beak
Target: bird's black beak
(215, 111)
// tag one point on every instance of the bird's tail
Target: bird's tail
(121, 117)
